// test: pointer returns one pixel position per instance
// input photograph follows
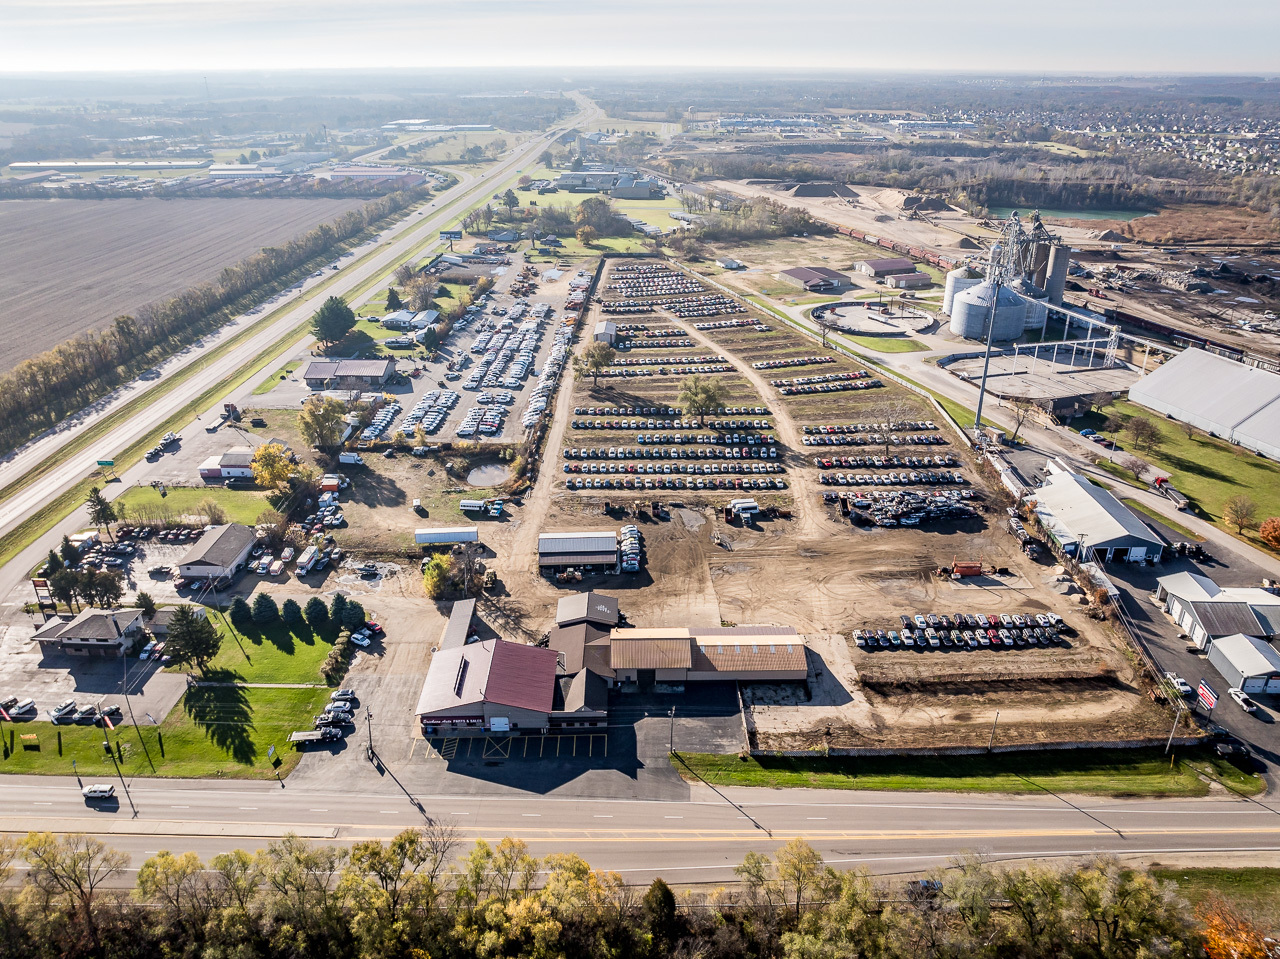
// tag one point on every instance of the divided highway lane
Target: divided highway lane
(699, 839)
(396, 242)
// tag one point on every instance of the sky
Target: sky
(987, 36)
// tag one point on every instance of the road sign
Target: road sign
(1208, 698)
(451, 234)
(271, 751)
(106, 462)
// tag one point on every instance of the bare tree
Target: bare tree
(1241, 512)
(1022, 407)
(1135, 466)
(1145, 434)
(404, 273)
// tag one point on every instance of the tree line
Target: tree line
(415, 897)
(40, 391)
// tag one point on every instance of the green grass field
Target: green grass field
(1102, 772)
(1209, 471)
(1255, 891)
(213, 731)
(1178, 528)
(241, 506)
(271, 654)
(272, 381)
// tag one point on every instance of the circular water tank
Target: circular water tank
(958, 279)
(971, 310)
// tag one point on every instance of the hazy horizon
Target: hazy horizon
(990, 36)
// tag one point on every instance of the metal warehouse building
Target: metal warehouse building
(584, 549)
(1247, 663)
(1208, 611)
(678, 654)
(1087, 521)
(1239, 403)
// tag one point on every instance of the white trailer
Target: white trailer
(446, 534)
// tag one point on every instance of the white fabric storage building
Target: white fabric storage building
(1236, 402)
(1076, 512)
(1247, 663)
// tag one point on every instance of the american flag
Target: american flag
(1208, 698)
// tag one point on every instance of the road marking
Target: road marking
(673, 817)
(248, 807)
(816, 818)
(179, 807)
(42, 803)
(532, 815)
(601, 817)
(389, 812)
(319, 810)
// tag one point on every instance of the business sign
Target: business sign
(451, 234)
(271, 752)
(1208, 698)
(106, 462)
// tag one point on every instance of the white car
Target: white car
(1178, 683)
(361, 638)
(98, 791)
(1242, 700)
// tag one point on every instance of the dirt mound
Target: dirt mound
(923, 204)
(1108, 236)
(964, 243)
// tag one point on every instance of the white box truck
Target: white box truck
(446, 534)
(351, 459)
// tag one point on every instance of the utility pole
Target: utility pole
(1176, 716)
(671, 736)
(368, 725)
(992, 741)
(106, 744)
(986, 355)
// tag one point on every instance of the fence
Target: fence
(872, 751)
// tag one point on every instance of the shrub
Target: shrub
(241, 614)
(290, 612)
(316, 613)
(264, 609)
(435, 576)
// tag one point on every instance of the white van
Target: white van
(23, 707)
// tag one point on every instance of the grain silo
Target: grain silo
(1059, 263)
(1035, 302)
(961, 278)
(971, 312)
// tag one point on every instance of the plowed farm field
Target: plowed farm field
(74, 265)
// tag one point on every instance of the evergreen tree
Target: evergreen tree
(393, 300)
(317, 613)
(70, 555)
(290, 612)
(353, 615)
(53, 564)
(336, 606)
(264, 609)
(192, 638)
(241, 614)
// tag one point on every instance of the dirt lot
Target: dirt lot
(814, 571)
(74, 265)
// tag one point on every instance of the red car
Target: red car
(374, 628)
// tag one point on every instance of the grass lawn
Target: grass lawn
(272, 381)
(1209, 471)
(213, 731)
(1161, 519)
(241, 506)
(271, 654)
(1255, 891)
(1102, 772)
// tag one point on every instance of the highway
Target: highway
(392, 246)
(696, 839)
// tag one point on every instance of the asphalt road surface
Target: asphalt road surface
(696, 839)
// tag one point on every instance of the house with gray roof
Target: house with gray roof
(94, 632)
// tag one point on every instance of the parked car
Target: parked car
(1242, 700)
(1178, 683)
(98, 791)
(340, 695)
(361, 638)
(64, 709)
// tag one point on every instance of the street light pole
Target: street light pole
(992, 741)
(671, 736)
(368, 725)
(1176, 716)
